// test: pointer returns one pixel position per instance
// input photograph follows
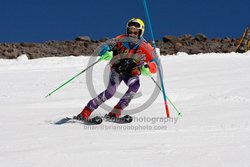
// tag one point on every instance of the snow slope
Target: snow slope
(211, 90)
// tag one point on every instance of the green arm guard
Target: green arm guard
(145, 71)
(107, 56)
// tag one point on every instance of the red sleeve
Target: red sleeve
(148, 50)
(152, 67)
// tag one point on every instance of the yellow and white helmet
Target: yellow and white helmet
(138, 24)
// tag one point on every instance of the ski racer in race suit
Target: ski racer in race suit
(129, 59)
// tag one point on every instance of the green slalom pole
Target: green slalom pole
(73, 78)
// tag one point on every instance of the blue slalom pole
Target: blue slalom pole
(157, 60)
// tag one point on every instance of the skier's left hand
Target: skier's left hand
(145, 70)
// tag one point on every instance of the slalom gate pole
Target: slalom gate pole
(159, 68)
(157, 61)
(72, 78)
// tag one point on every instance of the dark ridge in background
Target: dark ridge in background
(83, 45)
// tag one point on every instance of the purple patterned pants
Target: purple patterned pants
(115, 79)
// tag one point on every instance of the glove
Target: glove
(145, 70)
(108, 55)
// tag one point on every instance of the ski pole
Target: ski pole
(72, 78)
(155, 82)
(140, 66)
(178, 112)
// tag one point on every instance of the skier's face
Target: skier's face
(133, 33)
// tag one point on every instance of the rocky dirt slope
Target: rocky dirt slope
(83, 45)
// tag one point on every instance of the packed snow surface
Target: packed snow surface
(212, 91)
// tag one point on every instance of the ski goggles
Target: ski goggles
(133, 32)
(134, 24)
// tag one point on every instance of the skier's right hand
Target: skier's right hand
(108, 55)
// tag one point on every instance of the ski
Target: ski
(91, 121)
(121, 120)
(95, 120)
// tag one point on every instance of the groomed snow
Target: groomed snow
(211, 90)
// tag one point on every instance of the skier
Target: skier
(127, 68)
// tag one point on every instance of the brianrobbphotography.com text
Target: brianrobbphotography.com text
(154, 120)
(145, 123)
(127, 127)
